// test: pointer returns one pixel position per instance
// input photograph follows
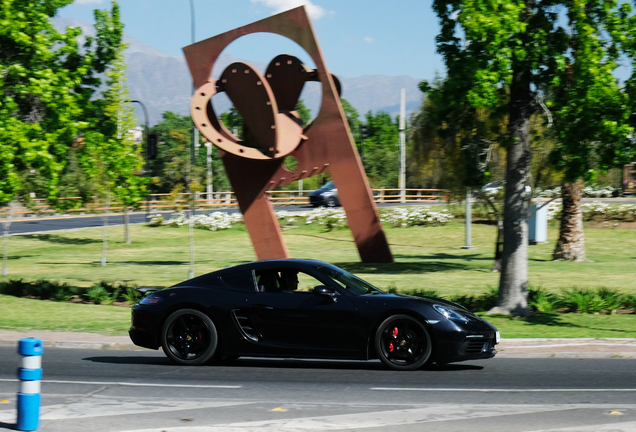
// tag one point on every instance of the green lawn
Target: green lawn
(426, 257)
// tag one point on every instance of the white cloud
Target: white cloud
(368, 39)
(89, 1)
(315, 12)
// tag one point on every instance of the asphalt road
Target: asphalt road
(128, 390)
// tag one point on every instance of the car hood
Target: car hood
(432, 300)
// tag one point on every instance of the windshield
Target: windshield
(351, 283)
(329, 185)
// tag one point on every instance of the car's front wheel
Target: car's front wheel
(189, 337)
(403, 343)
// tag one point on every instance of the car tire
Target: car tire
(331, 202)
(189, 337)
(403, 343)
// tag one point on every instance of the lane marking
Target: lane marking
(388, 419)
(132, 384)
(497, 390)
(92, 407)
(611, 427)
(621, 343)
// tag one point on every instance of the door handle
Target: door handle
(262, 306)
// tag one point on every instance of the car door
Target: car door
(302, 320)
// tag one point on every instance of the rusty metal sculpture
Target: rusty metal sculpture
(272, 131)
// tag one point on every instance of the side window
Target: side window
(241, 281)
(267, 281)
(285, 280)
(306, 283)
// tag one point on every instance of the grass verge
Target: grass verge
(426, 258)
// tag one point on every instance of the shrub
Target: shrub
(629, 301)
(131, 295)
(113, 297)
(422, 292)
(543, 301)
(478, 303)
(14, 287)
(583, 300)
(97, 294)
(611, 298)
(62, 294)
(177, 219)
(156, 220)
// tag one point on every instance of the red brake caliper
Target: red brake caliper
(394, 333)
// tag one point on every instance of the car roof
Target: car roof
(295, 263)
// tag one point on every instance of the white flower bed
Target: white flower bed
(177, 219)
(414, 216)
(598, 210)
(588, 192)
(216, 221)
(156, 220)
(327, 217)
(331, 218)
(554, 210)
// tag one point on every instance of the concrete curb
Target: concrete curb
(620, 348)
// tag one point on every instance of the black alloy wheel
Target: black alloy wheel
(189, 337)
(403, 343)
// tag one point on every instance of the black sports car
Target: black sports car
(304, 309)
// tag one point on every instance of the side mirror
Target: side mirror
(325, 291)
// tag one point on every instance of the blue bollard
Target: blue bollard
(30, 374)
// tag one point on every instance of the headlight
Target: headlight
(326, 193)
(151, 299)
(450, 314)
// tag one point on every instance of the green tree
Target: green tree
(509, 53)
(46, 87)
(591, 111)
(123, 160)
(381, 150)
(457, 144)
(167, 170)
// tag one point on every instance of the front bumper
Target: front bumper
(458, 342)
(143, 331)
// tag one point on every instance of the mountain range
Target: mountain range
(162, 82)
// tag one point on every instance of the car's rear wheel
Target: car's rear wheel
(189, 337)
(403, 343)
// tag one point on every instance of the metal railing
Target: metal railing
(212, 200)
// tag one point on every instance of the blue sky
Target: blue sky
(358, 37)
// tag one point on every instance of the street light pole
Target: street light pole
(402, 180)
(147, 153)
(195, 131)
(193, 162)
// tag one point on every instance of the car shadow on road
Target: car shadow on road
(334, 364)
(131, 360)
(278, 363)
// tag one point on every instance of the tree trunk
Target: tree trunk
(513, 284)
(571, 244)
(126, 226)
(496, 266)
